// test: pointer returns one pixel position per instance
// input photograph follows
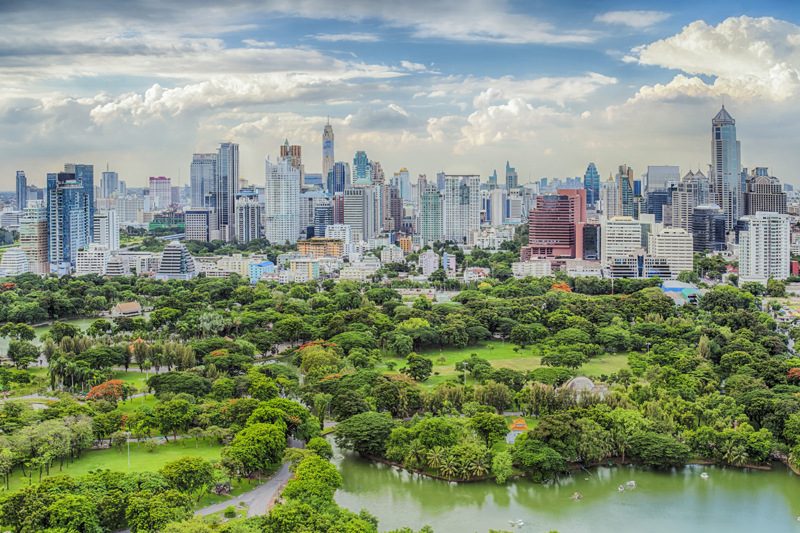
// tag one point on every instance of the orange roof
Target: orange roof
(519, 424)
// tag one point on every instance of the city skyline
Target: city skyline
(550, 91)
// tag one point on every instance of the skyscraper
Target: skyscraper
(493, 181)
(591, 182)
(106, 230)
(84, 174)
(555, 227)
(202, 174)
(359, 212)
(22, 190)
(512, 182)
(362, 170)
(294, 152)
(227, 185)
(327, 150)
(404, 185)
(764, 250)
(160, 192)
(282, 201)
(109, 184)
(462, 207)
(658, 178)
(338, 177)
(763, 192)
(692, 190)
(626, 191)
(248, 218)
(33, 236)
(430, 216)
(70, 218)
(726, 166)
(708, 228)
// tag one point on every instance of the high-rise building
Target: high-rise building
(676, 245)
(496, 207)
(362, 170)
(394, 211)
(626, 191)
(175, 195)
(92, 260)
(621, 236)
(763, 193)
(106, 230)
(84, 175)
(359, 212)
(440, 180)
(726, 166)
(227, 186)
(308, 202)
(610, 198)
(708, 228)
(430, 217)
(659, 178)
(592, 240)
(338, 177)
(462, 207)
(22, 190)
(33, 236)
(248, 218)
(160, 192)
(555, 227)
(658, 201)
(176, 263)
(327, 151)
(109, 184)
(282, 201)
(340, 232)
(512, 181)
(404, 185)
(70, 218)
(764, 247)
(202, 224)
(202, 174)
(591, 182)
(294, 153)
(492, 181)
(692, 190)
(323, 217)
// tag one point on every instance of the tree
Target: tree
(189, 474)
(657, 450)
(422, 303)
(149, 513)
(538, 460)
(22, 353)
(419, 367)
(321, 447)
(73, 512)
(490, 427)
(403, 344)
(501, 467)
(257, 446)
(365, 433)
(316, 480)
(776, 288)
(261, 387)
(174, 416)
(178, 382)
(112, 391)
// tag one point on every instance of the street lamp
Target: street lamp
(648, 349)
(143, 385)
(465, 372)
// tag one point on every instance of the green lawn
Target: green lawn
(129, 406)
(140, 460)
(501, 355)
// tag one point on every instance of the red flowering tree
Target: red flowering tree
(561, 287)
(793, 375)
(112, 390)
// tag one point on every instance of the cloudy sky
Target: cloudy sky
(459, 85)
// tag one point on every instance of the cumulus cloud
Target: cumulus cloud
(413, 66)
(391, 117)
(357, 37)
(748, 57)
(634, 19)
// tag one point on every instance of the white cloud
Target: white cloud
(357, 37)
(749, 58)
(634, 19)
(413, 66)
(258, 44)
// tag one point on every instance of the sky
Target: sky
(456, 85)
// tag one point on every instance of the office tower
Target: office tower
(359, 212)
(338, 208)
(202, 224)
(658, 178)
(327, 150)
(763, 193)
(129, 206)
(431, 218)
(109, 184)
(591, 242)
(637, 187)
(160, 192)
(22, 190)
(308, 201)
(620, 236)
(495, 207)
(14, 262)
(202, 174)
(362, 170)
(323, 217)
(84, 175)
(462, 207)
(440, 180)
(394, 211)
(338, 177)
(106, 230)
(35, 193)
(555, 227)
(658, 201)
(70, 218)
(176, 263)
(726, 166)
(591, 182)
(708, 228)
(764, 247)
(33, 236)
(175, 196)
(692, 190)
(493, 181)
(248, 218)
(626, 191)
(511, 178)
(227, 186)
(610, 198)
(294, 154)
(676, 245)
(404, 184)
(282, 201)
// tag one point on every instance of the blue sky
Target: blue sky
(428, 85)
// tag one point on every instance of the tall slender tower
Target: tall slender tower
(227, 182)
(282, 201)
(327, 150)
(726, 166)
(22, 190)
(591, 182)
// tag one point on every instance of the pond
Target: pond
(82, 323)
(730, 500)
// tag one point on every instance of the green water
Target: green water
(82, 323)
(730, 500)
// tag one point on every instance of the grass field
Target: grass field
(140, 460)
(503, 355)
(129, 406)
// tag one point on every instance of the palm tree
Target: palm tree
(735, 455)
(57, 371)
(619, 442)
(463, 469)
(449, 466)
(70, 371)
(435, 457)
(416, 451)
(479, 466)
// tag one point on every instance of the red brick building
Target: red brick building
(555, 227)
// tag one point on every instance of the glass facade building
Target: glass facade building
(726, 167)
(591, 182)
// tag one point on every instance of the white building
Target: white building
(429, 261)
(392, 254)
(497, 205)
(176, 263)
(492, 238)
(248, 219)
(620, 237)
(676, 245)
(14, 262)
(282, 201)
(462, 207)
(535, 268)
(359, 211)
(33, 238)
(764, 247)
(106, 230)
(92, 260)
(578, 268)
(343, 233)
(202, 224)
(237, 263)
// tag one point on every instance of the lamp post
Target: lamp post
(143, 385)
(465, 372)
(648, 349)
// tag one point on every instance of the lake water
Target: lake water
(82, 323)
(730, 500)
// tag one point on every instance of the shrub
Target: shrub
(150, 446)
(230, 512)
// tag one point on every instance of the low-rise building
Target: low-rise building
(322, 247)
(392, 254)
(257, 270)
(92, 260)
(14, 262)
(429, 261)
(236, 263)
(578, 268)
(535, 268)
(126, 309)
(475, 274)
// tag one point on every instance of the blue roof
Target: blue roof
(264, 264)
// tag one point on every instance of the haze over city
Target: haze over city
(432, 86)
